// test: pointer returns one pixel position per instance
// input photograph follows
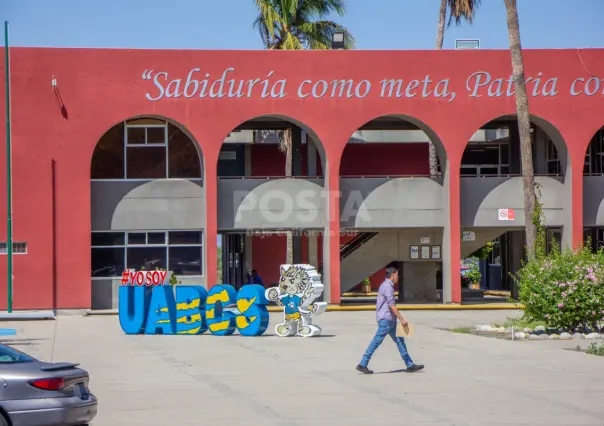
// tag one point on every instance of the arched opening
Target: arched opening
(147, 205)
(492, 202)
(593, 188)
(391, 205)
(272, 205)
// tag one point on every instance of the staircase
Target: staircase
(352, 245)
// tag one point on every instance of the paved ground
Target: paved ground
(468, 380)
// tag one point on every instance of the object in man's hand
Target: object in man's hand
(404, 331)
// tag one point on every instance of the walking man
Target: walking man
(386, 314)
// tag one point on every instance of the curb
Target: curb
(360, 308)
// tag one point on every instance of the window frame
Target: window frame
(165, 144)
(165, 245)
(4, 247)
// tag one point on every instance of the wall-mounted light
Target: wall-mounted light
(337, 40)
(53, 83)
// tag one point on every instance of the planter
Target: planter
(475, 286)
(366, 288)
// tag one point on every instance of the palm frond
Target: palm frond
(318, 35)
(460, 10)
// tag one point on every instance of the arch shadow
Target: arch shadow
(312, 135)
(168, 120)
(430, 133)
(483, 197)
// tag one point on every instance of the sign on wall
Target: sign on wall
(506, 214)
(468, 236)
(467, 44)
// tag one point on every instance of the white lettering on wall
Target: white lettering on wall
(231, 84)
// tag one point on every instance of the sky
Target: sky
(227, 24)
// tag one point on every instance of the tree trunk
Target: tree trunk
(440, 37)
(286, 147)
(440, 31)
(524, 126)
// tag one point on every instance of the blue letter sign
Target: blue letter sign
(193, 310)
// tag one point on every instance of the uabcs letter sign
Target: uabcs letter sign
(193, 310)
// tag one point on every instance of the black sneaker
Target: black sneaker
(364, 370)
(415, 367)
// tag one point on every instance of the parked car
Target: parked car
(37, 393)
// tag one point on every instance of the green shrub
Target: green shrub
(596, 348)
(564, 289)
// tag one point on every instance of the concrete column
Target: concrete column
(297, 171)
(210, 260)
(331, 235)
(451, 247)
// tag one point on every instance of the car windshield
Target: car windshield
(9, 355)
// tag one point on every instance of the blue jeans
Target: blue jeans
(386, 328)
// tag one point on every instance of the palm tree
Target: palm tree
(459, 10)
(524, 127)
(298, 25)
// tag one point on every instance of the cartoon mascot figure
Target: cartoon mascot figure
(299, 286)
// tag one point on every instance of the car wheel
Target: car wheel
(3, 421)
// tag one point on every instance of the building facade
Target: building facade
(147, 158)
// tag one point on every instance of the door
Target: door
(233, 260)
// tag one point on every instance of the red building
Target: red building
(156, 153)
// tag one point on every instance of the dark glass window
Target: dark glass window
(146, 162)
(183, 158)
(135, 135)
(184, 237)
(107, 239)
(156, 238)
(107, 262)
(108, 156)
(156, 135)
(185, 260)
(146, 257)
(137, 238)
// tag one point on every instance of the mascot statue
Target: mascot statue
(299, 287)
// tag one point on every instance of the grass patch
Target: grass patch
(520, 323)
(463, 330)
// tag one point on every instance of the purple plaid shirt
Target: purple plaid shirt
(385, 299)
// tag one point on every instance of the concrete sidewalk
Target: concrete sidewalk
(468, 380)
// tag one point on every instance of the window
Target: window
(10, 355)
(18, 248)
(553, 162)
(177, 251)
(145, 149)
(485, 159)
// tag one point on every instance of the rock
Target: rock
(508, 330)
(484, 328)
(593, 336)
(501, 330)
(565, 336)
(519, 335)
(533, 337)
(554, 337)
(543, 336)
(539, 332)
(578, 336)
(527, 330)
(540, 328)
